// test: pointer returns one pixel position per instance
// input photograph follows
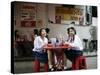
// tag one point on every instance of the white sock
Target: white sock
(50, 66)
(52, 69)
(65, 67)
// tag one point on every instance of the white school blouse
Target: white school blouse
(38, 43)
(76, 44)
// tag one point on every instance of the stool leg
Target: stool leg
(37, 65)
(75, 64)
(46, 67)
(85, 66)
(82, 62)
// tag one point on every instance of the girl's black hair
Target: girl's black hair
(36, 31)
(47, 30)
(73, 35)
(72, 29)
(41, 31)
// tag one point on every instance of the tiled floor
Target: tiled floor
(27, 66)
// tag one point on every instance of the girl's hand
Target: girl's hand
(44, 50)
(65, 43)
(45, 45)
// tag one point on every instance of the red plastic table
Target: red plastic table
(53, 48)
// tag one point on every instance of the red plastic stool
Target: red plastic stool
(79, 63)
(37, 66)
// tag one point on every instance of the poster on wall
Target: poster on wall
(28, 15)
(68, 15)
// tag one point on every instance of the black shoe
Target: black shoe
(59, 69)
(70, 68)
(64, 69)
(51, 69)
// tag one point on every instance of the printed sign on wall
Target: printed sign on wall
(28, 15)
(68, 14)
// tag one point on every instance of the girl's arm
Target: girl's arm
(39, 45)
(77, 42)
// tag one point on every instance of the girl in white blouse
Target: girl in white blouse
(75, 42)
(40, 54)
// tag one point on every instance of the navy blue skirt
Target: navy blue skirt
(73, 54)
(41, 56)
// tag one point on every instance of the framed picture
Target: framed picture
(50, 37)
